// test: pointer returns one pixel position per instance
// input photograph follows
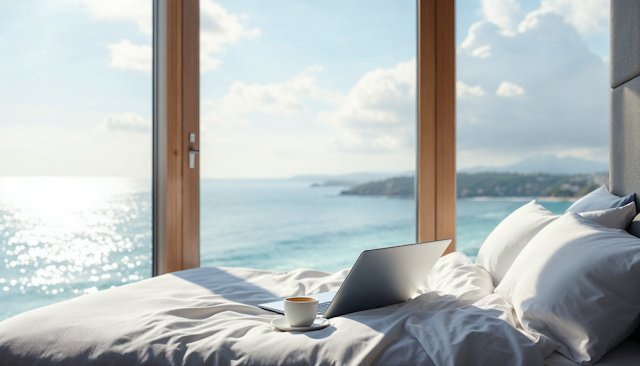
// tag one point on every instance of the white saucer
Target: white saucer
(281, 324)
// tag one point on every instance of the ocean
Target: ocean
(65, 237)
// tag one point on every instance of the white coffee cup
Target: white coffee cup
(300, 311)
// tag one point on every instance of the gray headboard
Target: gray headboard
(625, 98)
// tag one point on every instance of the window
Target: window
(75, 137)
(308, 120)
(76, 201)
(532, 107)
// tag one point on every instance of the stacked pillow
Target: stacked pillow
(573, 280)
(600, 199)
(575, 288)
(508, 239)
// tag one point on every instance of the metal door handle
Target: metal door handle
(192, 158)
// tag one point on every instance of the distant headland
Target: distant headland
(492, 184)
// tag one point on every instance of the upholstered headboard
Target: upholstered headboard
(625, 98)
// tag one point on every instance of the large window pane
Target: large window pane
(532, 108)
(302, 103)
(75, 149)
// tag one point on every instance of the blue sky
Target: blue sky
(57, 87)
(299, 87)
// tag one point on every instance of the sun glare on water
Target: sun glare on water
(61, 237)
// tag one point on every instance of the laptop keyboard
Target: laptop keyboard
(322, 308)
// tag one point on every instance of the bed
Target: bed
(208, 316)
(627, 353)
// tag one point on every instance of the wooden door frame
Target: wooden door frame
(176, 190)
(176, 196)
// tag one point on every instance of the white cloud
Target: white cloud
(509, 90)
(378, 113)
(587, 16)
(471, 34)
(138, 11)
(126, 55)
(208, 63)
(504, 13)
(482, 52)
(566, 104)
(217, 29)
(588, 153)
(126, 122)
(315, 68)
(530, 21)
(275, 98)
(463, 90)
(283, 99)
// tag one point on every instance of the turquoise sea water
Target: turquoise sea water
(64, 237)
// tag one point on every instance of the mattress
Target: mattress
(626, 354)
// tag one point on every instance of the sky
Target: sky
(299, 87)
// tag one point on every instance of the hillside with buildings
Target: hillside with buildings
(493, 184)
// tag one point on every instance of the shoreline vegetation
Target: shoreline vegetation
(561, 187)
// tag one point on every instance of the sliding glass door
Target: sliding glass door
(75, 149)
(308, 131)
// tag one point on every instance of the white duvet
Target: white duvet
(208, 316)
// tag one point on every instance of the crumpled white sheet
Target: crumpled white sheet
(209, 316)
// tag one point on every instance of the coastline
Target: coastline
(520, 198)
(479, 198)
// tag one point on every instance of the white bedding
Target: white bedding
(209, 316)
(626, 354)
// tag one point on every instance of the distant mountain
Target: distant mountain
(352, 177)
(548, 164)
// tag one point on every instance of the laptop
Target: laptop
(380, 277)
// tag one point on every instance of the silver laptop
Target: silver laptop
(380, 277)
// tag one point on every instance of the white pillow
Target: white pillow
(613, 218)
(507, 240)
(575, 287)
(600, 199)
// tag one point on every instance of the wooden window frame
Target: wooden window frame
(176, 186)
(176, 196)
(436, 155)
